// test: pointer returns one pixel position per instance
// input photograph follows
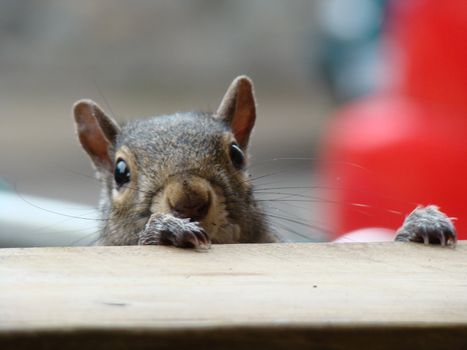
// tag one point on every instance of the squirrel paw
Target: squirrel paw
(428, 225)
(169, 230)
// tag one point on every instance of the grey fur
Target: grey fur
(183, 144)
(193, 148)
(427, 225)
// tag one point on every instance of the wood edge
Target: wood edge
(452, 336)
(461, 243)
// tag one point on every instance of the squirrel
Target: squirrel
(181, 179)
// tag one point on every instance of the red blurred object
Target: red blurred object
(408, 146)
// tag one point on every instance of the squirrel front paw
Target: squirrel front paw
(169, 230)
(428, 225)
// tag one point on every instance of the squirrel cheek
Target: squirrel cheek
(160, 204)
(122, 198)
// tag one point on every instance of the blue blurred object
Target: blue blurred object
(349, 51)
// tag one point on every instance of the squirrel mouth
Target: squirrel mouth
(190, 223)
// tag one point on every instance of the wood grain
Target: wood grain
(329, 295)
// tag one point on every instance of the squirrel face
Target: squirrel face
(185, 165)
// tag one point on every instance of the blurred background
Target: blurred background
(311, 61)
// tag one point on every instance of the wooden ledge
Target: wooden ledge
(347, 295)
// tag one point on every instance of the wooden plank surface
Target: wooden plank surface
(269, 295)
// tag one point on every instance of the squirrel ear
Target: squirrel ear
(97, 132)
(238, 109)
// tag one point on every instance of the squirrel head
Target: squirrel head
(189, 165)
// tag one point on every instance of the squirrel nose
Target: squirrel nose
(190, 203)
(195, 211)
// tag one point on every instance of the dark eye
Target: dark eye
(122, 172)
(237, 157)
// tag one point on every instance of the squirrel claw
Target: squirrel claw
(169, 230)
(427, 225)
(190, 239)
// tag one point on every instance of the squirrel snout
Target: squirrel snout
(189, 199)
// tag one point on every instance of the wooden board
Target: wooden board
(322, 295)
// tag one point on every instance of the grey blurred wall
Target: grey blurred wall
(163, 44)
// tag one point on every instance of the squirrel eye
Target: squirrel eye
(237, 157)
(122, 172)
